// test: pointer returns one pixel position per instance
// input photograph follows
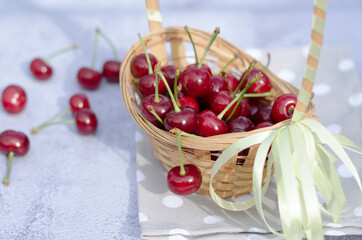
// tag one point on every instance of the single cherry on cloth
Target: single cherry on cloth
(13, 143)
(111, 67)
(86, 121)
(184, 179)
(13, 99)
(263, 115)
(41, 69)
(89, 78)
(283, 107)
(77, 103)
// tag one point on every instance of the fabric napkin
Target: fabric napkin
(338, 100)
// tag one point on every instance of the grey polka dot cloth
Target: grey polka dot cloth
(338, 99)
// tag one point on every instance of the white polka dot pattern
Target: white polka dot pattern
(335, 233)
(343, 171)
(334, 128)
(140, 176)
(358, 212)
(345, 65)
(305, 51)
(334, 225)
(321, 89)
(255, 53)
(178, 234)
(355, 100)
(287, 75)
(212, 219)
(172, 201)
(258, 230)
(142, 217)
(255, 237)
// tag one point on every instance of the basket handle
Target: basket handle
(310, 70)
(153, 15)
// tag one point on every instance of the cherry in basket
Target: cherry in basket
(13, 99)
(41, 69)
(184, 179)
(13, 143)
(89, 78)
(283, 107)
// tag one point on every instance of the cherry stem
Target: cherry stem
(251, 95)
(291, 110)
(150, 71)
(95, 49)
(157, 98)
(48, 59)
(238, 99)
(267, 63)
(6, 179)
(236, 56)
(59, 115)
(193, 44)
(108, 40)
(241, 83)
(152, 110)
(175, 90)
(213, 37)
(136, 80)
(159, 73)
(182, 169)
(34, 131)
(182, 133)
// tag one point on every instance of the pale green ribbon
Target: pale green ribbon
(302, 165)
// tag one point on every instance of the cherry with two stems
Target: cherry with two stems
(195, 81)
(87, 77)
(41, 69)
(283, 107)
(184, 179)
(13, 143)
(111, 67)
(85, 118)
(13, 99)
(184, 118)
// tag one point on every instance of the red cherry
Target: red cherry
(13, 141)
(111, 70)
(77, 102)
(161, 108)
(89, 78)
(86, 121)
(185, 120)
(232, 82)
(283, 107)
(263, 115)
(169, 72)
(187, 101)
(217, 84)
(240, 124)
(245, 107)
(254, 107)
(139, 66)
(261, 86)
(203, 66)
(210, 125)
(263, 125)
(220, 101)
(195, 82)
(13, 99)
(40, 69)
(147, 85)
(185, 184)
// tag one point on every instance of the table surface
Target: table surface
(63, 188)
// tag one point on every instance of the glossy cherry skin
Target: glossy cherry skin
(232, 82)
(77, 102)
(240, 124)
(210, 125)
(261, 86)
(40, 69)
(13, 99)
(13, 141)
(111, 70)
(147, 85)
(263, 125)
(220, 101)
(217, 84)
(161, 108)
(184, 184)
(187, 101)
(89, 78)
(195, 82)
(254, 106)
(203, 66)
(263, 115)
(245, 108)
(283, 107)
(186, 120)
(139, 65)
(86, 121)
(169, 72)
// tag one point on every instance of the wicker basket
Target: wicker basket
(168, 45)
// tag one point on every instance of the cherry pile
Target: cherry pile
(204, 104)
